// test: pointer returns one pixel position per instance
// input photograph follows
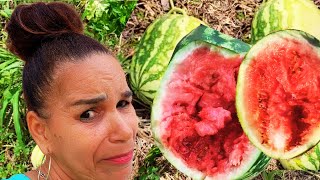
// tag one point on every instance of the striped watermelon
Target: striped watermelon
(154, 52)
(193, 117)
(308, 161)
(274, 15)
(278, 99)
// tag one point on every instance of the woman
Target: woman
(79, 104)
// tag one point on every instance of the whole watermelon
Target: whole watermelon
(278, 99)
(154, 51)
(193, 117)
(274, 15)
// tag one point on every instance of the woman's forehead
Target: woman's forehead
(94, 66)
(97, 74)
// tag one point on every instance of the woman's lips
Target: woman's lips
(122, 158)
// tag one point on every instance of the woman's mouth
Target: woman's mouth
(121, 158)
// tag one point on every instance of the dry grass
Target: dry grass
(229, 17)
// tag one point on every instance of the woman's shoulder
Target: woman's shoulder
(18, 177)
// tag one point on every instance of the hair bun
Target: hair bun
(31, 24)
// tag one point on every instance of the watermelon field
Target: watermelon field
(144, 36)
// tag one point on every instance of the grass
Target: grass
(15, 139)
(13, 157)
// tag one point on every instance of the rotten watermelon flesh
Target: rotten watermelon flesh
(283, 84)
(199, 122)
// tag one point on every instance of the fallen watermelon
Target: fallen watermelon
(308, 161)
(193, 117)
(278, 95)
(154, 51)
(274, 15)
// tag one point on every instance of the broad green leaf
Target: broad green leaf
(17, 64)
(6, 63)
(16, 117)
(3, 112)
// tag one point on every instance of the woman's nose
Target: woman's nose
(121, 129)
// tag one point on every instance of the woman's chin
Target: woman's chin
(119, 173)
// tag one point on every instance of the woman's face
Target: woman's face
(92, 124)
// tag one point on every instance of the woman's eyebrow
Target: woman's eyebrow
(127, 94)
(94, 100)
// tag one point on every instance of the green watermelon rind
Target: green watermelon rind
(260, 45)
(257, 167)
(275, 15)
(214, 37)
(154, 52)
(307, 161)
(257, 162)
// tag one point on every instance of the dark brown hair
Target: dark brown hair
(45, 35)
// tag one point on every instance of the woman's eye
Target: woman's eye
(87, 115)
(122, 104)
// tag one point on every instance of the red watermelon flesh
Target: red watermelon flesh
(286, 81)
(199, 122)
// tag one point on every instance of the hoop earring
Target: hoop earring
(41, 174)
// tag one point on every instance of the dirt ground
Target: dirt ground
(232, 17)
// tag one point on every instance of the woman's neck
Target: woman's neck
(47, 170)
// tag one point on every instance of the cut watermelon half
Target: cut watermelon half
(278, 94)
(194, 119)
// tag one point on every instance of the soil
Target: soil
(232, 17)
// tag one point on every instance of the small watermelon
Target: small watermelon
(193, 117)
(308, 161)
(154, 51)
(274, 15)
(278, 99)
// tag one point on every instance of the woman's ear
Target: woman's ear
(37, 128)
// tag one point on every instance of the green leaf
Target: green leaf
(105, 17)
(150, 170)
(6, 13)
(16, 64)
(6, 63)
(6, 97)
(272, 174)
(3, 109)
(16, 117)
